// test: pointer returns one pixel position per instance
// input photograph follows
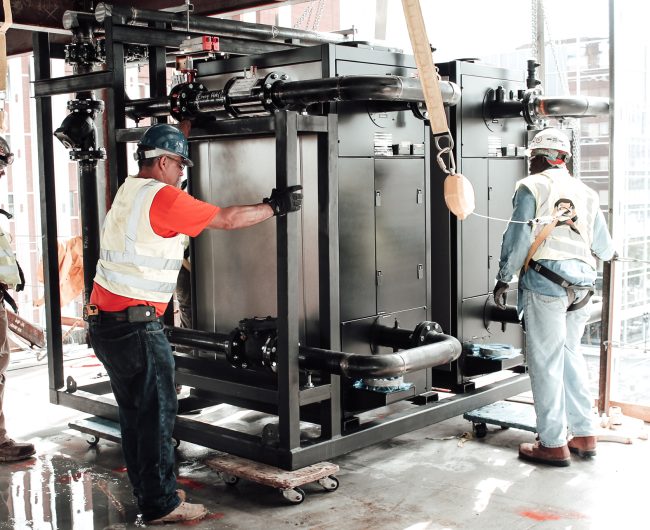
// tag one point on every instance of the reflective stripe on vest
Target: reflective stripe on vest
(8, 265)
(548, 187)
(135, 261)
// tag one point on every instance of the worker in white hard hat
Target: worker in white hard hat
(556, 264)
(10, 278)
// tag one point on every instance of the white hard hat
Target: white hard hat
(549, 140)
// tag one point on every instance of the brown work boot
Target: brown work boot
(183, 512)
(583, 446)
(553, 456)
(11, 451)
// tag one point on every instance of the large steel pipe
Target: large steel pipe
(569, 106)
(444, 350)
(218, 26)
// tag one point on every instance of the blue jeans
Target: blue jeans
(558, 371)
(140, 365)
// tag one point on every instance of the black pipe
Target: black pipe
(357, 88)
(87, 171)
(284, 94)
(437, 349)
(217, 26)
(201, 340)
(354, 365)
(509, 315)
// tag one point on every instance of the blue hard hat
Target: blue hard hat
(161, 139)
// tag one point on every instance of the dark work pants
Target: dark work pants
(140, 365)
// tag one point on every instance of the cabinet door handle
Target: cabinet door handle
(378, 198)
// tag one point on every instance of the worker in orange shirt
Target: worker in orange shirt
(141, 252)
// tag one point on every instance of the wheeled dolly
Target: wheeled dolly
(231, 468)
(96, 429)
(505, 414)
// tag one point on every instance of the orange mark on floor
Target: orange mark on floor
(188, 482)
(540, 516)
(120, 469)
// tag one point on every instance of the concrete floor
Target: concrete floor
(427, 479)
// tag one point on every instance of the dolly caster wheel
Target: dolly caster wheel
(480, 430)
(330, 483)
(229, 480)
(293, 495)
(92, 440)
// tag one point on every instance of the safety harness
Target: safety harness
(4, 294)
(564, 215)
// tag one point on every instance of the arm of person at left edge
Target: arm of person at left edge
(602, 245)
(517, 237)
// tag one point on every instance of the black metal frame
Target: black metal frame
(282, 396)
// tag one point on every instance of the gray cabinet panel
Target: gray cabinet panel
(503, 173)
(474, 233)
(360, 121)
(357, 238)
(477, 131)
(400, 238)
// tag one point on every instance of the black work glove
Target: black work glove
(286, 200)
(500, 293)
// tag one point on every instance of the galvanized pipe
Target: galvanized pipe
(218, 26)
(569, 106)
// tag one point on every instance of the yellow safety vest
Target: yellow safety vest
(8, 265)
(135, 261)
(548, 187)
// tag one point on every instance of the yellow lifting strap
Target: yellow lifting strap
(458, 190)
(538, 241)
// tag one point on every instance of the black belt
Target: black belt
(118, 316)
(138, 313)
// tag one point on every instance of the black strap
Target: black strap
(549, 274)
(21, 285)
(9, 299)
(556, 278)
(581, 303)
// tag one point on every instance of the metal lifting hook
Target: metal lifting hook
(440, 151)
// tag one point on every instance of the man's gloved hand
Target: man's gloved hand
(286, 200)
(500, 293)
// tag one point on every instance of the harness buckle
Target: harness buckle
(90, 310)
